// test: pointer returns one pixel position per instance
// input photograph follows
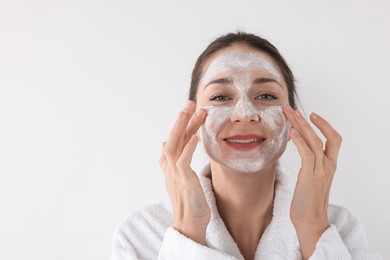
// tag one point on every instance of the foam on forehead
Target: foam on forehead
(240, 60)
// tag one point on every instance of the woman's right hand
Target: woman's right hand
(191, 213)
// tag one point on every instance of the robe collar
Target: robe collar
(278, 241)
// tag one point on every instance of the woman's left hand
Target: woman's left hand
(309, 206)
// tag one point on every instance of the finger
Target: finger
(289, 113)
(164, 163)
(174, 144)
(308, 158)
(162, 159)
(333, 138)
(307, 133)
(184, 162)
(195, 123)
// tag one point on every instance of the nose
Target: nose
(245, 112)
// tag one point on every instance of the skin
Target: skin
(238, 84)
(245, 201)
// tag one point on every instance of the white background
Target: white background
(89, 90)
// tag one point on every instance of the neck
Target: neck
(245, 203)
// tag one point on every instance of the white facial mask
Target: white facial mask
(239, 66)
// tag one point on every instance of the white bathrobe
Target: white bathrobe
(148, 234)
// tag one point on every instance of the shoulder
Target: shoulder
(141, 233)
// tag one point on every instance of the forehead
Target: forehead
(240, 58)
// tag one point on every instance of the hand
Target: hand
(191, 214)
(309, 206)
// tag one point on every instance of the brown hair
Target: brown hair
(252, 41)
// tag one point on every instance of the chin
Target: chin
(244, 165)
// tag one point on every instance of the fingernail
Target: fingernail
(298, 114)
(294, 132)
(200, 112)
(315, 116)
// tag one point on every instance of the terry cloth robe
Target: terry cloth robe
(148, 233)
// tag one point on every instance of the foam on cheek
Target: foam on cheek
(275, 125)
(273, 118)
(275, 121)
(216, 117)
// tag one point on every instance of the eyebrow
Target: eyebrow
(226, 81)
(222, 81)
(265, 80)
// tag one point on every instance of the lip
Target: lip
(244, 142)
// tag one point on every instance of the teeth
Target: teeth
(246, 141)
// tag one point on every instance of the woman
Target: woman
(244, 205)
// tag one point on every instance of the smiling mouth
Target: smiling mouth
(244, 141)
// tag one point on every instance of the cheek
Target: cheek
(277, 124)
(216, 117)
(273, 119)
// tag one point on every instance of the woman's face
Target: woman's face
(243, 91)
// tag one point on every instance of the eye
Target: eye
(267, 97)
(219, 97)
